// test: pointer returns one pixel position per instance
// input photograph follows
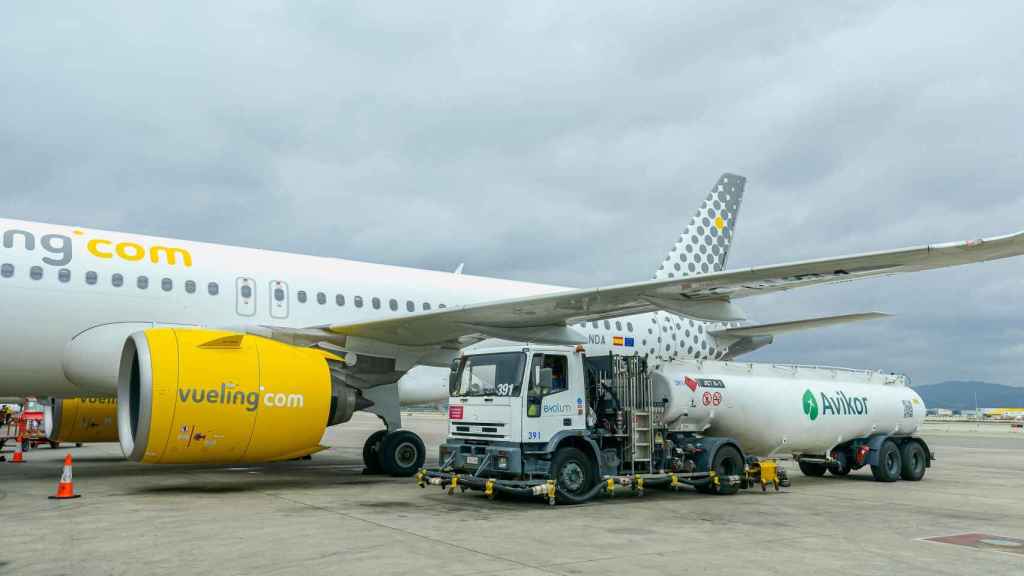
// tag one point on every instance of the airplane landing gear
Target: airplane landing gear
(398, 453)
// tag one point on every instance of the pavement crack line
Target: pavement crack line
(409, 533)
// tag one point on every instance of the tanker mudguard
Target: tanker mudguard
(875, 443)
(709, 448)
(203, 396)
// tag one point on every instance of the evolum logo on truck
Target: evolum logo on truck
(838, 405)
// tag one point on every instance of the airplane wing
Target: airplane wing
(777, 328)
(547, 317)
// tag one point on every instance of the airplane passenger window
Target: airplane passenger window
(376, 303)
(117, 280)
(190, 286)
(393, 304)
(358, 301)
(301, 295)
(35, 272)
(618, 325)
(593, 324)
(91, 277)
(321, 298)
(166, 284)
(7, 270)
(213, 288)
(279, 294)
(142, 282)
(426, 305)
(64, 275)
(339, 299)
(246, 291)
(629, 326)
(441, 306)
(410, 306)
(607, 325)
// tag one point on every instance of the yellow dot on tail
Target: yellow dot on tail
(719, 222)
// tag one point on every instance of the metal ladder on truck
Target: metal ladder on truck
(632, 384)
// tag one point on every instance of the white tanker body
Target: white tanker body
(833, 419)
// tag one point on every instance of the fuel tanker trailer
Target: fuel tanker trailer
(551, 421)
(828, 419)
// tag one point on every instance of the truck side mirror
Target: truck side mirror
(545, 380)
(453, 378)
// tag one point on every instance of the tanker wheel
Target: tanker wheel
(889, 463)
(371, 449)
(812, 469)
(401, 453)
(727, 462)
(573, 474)
(840, 464)
(913, 461)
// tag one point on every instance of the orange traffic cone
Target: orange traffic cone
(19, 457)
(65, 488)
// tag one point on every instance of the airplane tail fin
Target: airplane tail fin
(704, 245)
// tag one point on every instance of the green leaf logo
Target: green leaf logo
(810, 405)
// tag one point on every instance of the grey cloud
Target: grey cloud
(551, 143)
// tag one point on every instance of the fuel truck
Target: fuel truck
(553, 422)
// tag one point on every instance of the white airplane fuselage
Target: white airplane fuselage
(57, 282)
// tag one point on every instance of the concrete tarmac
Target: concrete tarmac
(324, 516)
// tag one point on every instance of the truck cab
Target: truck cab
(510, 400)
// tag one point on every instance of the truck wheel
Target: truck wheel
(54, 445)
(889, 463)
(812, 469)
(401, 453)
(913, 461)
(371, 451)
(25, 445)
(840, 464)
(573, 473)
(727, 462)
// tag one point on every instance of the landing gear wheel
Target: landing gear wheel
(812, 469)
(574, 475)
(840, 464)
(913, 461)
(371, 451)
(728, 462)
(401, 453)
(889, 463)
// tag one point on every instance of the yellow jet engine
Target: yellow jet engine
(204, 396)
(80, 420)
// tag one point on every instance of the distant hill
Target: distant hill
(959, 395)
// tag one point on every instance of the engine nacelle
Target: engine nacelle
(81, 420)
(204, 396)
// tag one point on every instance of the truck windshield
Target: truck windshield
(489, 375)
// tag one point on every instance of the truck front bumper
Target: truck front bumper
(482, 459)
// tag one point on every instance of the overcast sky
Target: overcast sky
(550, 143)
